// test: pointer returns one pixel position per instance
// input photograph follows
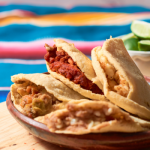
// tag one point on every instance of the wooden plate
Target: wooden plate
(99, 141)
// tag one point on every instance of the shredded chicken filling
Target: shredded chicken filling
(81, 119)
(60, 62)
(116, 81)
(34, 100)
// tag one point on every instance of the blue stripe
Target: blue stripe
(7, 70)
(3, 95)
(122, 9)
(25, 33)
(42, 10)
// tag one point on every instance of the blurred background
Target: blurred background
(69, 3)
(26, 25)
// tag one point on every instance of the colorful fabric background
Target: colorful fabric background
(24, 30)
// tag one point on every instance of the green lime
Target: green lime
(141, 29)
(144, 45)
(128, 36)
(131, 44)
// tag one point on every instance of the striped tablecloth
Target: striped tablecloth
(24, 29)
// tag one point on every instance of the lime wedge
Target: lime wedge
(144, 45)
(141, 29)
(128, 36)
(131, 44)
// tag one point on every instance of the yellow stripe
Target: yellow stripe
(76, 19)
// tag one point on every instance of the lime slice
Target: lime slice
(141, 29)
(144, 45)
(128, 36)
(131, 44)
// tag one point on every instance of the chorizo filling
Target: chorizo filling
(60, 62)
(116, 81)
(80, 119)
(34, 100)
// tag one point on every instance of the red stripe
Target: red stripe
(36, 52)
(147, 78)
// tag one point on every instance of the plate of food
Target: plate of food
(85, 104)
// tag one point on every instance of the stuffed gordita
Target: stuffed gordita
(66, 63)
(123, 83)
(38, 94)
(84, 116)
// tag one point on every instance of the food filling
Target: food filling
(81, 119)
(62, 63)
(116, 81)
(34, 100)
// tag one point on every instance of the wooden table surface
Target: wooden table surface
(14, 137)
